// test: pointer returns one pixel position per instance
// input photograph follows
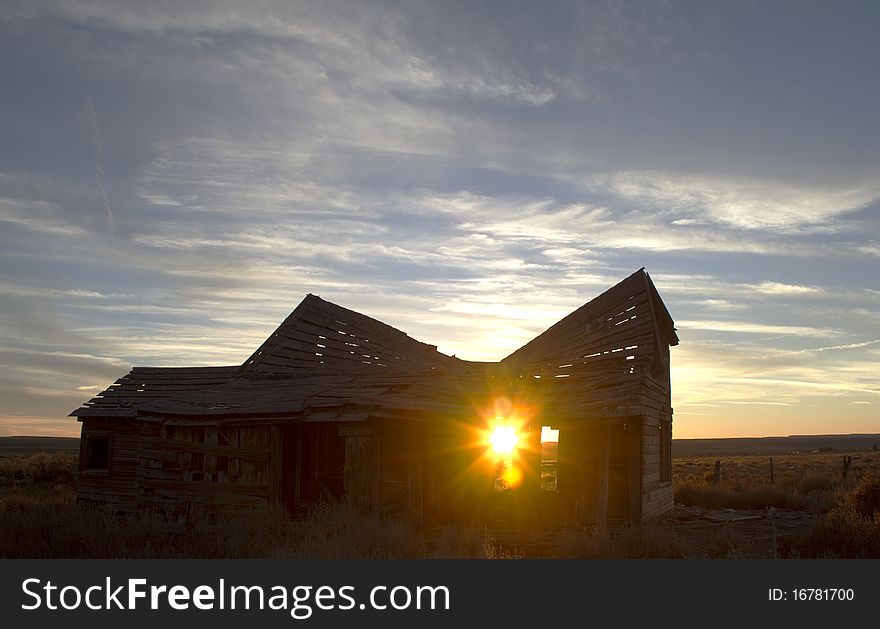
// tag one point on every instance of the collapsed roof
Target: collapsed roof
(328, 363)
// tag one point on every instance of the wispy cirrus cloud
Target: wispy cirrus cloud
(741, 203)
(754, 328)
(36, 216)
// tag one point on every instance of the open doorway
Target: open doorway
(312, 465)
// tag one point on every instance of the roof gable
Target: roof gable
(328, 361)
(628, 322)
(320, 335)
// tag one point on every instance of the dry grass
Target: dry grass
(721, 497)
(39, 468)
(645, 542)
(43, 529)
(847, 511)
(851, 530)
(801, 481)
(864, 500)
(39, 518)
(790, 470)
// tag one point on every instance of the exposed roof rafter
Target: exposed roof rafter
(326, 361)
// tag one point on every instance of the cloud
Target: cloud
(469, 176)
(21, 359)
(364, 42)
(36, 216)
(872, 248)
(98, 144)
(816, 350)
(780, 288)
(741, 203)
(753, 328)
(18, 290)
(806, 386)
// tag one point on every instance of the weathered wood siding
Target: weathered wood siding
(657, 493)
(182, 467)
(117, 485)
(177, 467)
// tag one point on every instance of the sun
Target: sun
(503, 440)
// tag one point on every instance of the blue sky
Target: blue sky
(175, 177)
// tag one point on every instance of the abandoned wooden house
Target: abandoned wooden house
(337, 405)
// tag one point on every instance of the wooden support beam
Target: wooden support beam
(298, 466)
(276, 448)
(634, 430)
(210, 465)
(360, 477)
(376, 462)
(604, 470)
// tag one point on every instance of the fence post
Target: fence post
(847, 461)
(771, 471)
(717, 478)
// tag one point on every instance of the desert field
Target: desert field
(809, 510)
(802, 480)
(809, 507)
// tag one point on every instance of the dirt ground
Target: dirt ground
(686, 533)
(737, 533)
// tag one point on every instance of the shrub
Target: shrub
(720, 497)
(814, 483)
(842, 533)
(865, 498)
(40, 468)
(851, 529)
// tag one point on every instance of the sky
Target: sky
(176, 177)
